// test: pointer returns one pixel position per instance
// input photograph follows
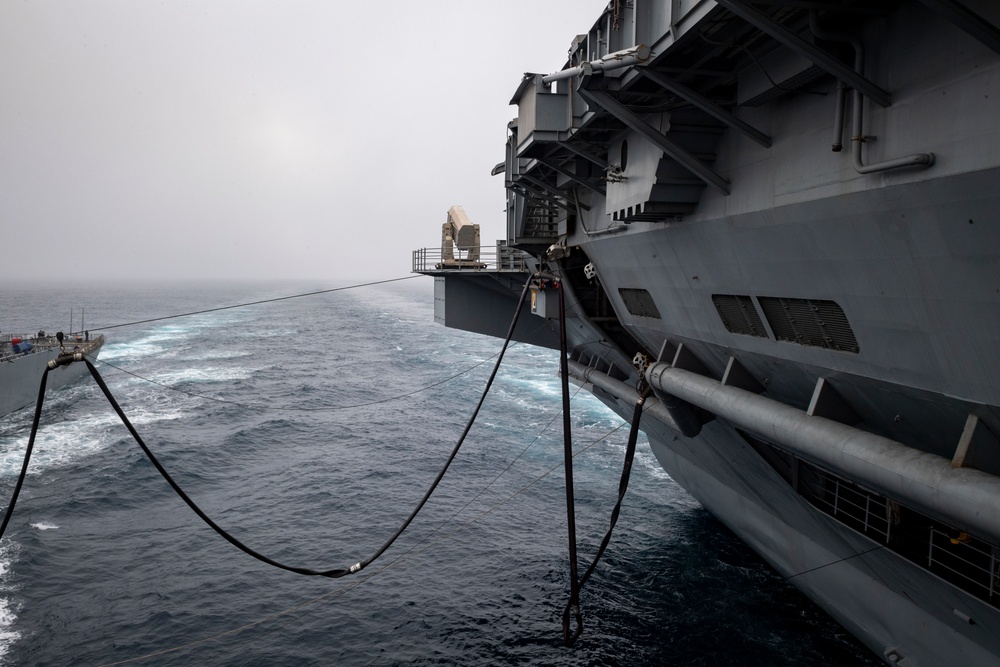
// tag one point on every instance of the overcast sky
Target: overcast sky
(238, 138)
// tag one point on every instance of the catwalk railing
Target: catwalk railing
(960, 558)
(958, 555)
(499, 258)
(954, 555)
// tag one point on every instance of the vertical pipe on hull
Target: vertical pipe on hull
(858, 136)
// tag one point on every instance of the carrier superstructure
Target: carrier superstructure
(790, 209)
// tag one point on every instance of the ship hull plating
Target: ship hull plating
(676, 179)
(20, 376)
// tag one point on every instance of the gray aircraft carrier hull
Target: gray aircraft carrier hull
(819, 327)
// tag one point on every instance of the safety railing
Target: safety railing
(865, 511)
(9, 350)
(965, 561)
(499, 258)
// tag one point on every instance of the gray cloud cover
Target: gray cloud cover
(236, 139)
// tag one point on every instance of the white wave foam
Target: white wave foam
(8, 636)
(118, 352)
(208, 374)
(153, 343)
(652, 466)
(44, 526)
(63, 443)
(219, 355)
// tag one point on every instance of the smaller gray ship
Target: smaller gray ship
(24, 358)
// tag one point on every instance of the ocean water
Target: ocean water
(309, 428)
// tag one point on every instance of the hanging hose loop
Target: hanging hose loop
(27, 453)
(331, 573)
(573, 605)
(633, 438)
(572, 613)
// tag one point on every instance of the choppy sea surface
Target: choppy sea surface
(310, 428)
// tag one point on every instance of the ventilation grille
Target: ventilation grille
(739, 315)
(639, 302)
(809, 322)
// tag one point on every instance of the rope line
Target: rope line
(256, 303)
(292, 409)
(417, 550)
(572, 607)
(331, 408)
(330, 573)
(465, 432)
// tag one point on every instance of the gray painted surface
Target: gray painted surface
(484, 303)
(910, 255)
(20, 376)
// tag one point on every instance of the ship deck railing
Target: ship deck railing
(959, 555)
(38, 344)
(496, 259)
(969, 563)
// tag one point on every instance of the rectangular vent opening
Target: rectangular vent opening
(739, 314)
(639, 302)
(809, 322)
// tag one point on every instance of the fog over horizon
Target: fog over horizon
(257, 140)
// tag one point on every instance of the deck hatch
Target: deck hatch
(809, 322)
(639, 302)
(739, 314)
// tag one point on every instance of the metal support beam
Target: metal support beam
(586, 155)
(737, 375)
(667, 145)
(705, 104)
(540, 194)
(967, 20)
(571, 176)
(551, 191)
(808, 51)
(554, 193)
(827, 402)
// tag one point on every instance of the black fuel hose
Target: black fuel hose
(27, 453)
(331, 573)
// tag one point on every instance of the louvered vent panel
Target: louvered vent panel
(809, 322)
(739, 315)
(639, 302)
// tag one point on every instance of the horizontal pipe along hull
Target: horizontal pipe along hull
(964, 497)
(621, 391)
